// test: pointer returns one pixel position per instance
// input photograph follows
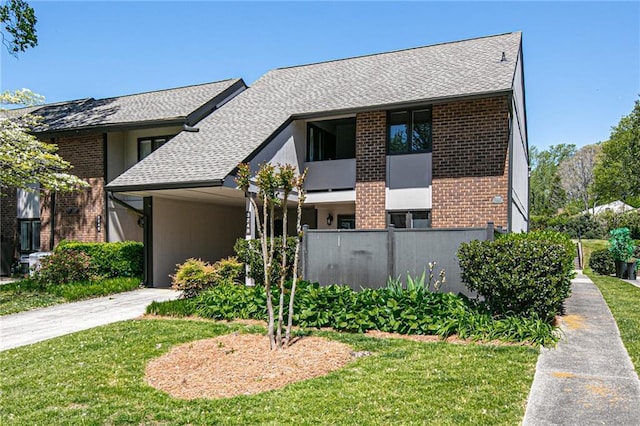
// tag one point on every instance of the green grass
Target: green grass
(623, 300)
(96, 377)
(26, 295)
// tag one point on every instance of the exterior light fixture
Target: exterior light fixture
(329, 219)
(497, 200)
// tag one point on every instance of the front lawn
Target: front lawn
(96, 377)
(623, 300)
(25, 295)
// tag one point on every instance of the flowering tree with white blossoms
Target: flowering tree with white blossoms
(24, 160)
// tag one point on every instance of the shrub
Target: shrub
(601, 261)
(229, 269)
(119, 259)
(249, 252)
(520, 274)
(621, 245)
(193, 276)
(64, 267)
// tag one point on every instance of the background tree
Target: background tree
(18, 26)
(576, 174)
(547, 193)
(617, 176)
(24, 160)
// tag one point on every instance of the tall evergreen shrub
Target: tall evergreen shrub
(520, 274)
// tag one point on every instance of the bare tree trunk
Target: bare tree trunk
(301, 197)
(267, 257)
(283, 271)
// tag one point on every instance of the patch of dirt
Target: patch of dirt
(563, 374)
(242, 364)
(574, 322)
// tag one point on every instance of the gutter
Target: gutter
(165, 185)
(177, 121)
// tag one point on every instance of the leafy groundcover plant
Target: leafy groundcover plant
(413, 311)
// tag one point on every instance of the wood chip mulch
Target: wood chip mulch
(242, 364)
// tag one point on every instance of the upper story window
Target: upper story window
(147, 145)
(331, 139)
(409, 131)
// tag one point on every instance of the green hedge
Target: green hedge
(119, 259)
(602, 262)
(520, 274)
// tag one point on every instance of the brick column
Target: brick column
(470, 163)
(371, 170)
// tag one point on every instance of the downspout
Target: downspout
(510, 178)
(105, 180)
(53, 221)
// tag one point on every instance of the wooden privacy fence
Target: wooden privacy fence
(367, 258)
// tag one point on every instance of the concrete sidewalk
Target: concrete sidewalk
(34, 326)
(588, 379)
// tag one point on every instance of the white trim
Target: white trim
(331, 197)
(408, 199)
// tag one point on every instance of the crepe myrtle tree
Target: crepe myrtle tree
(275, 185)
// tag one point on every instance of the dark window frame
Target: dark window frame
(346, 218)
(410, 136)
(33, 244)
(409, 219)
(312, 126)
(152, 139)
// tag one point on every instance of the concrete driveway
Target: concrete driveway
(34, 326)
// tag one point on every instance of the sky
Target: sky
(581, 59)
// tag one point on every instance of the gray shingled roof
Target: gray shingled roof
(235, 131)
(160, 105)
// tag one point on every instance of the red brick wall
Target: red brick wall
(470, 162)
(77, 212)
(370, 170)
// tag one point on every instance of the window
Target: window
(29, 235)
(410, 219)
(331, 139)
(346, 221)
(409, 131)
(147, 145)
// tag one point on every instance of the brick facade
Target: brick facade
(8, 228)
(77, 212)
(371, 170)
(470, 163)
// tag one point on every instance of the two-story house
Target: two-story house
(433, 136)
(101, 138)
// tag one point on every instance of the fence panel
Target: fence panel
(415, 248)
(356, 258)
(367, 258)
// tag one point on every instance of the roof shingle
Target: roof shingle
(160, 105)
(233, 133)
